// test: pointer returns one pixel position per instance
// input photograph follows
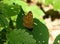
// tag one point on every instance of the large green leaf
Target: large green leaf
(40, 32)
(57, 40)
(20, 37)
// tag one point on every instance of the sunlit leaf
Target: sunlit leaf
(37, 12)
(56, 5)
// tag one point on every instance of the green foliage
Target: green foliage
(39, 29)
(20, 37)
(11, 18)
(6, 12)
(19, 20)
(3, 21)
(19, 2)
(40, 32)
(49, 2)
(55, 4)
(57, 40)
(36, 11)
(3, 36)
(9, 11)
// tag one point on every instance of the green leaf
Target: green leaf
(56, 5)
(47, 2)
(19, 2)
(3, 21)
(36, 11)
(20, 37)
(9, 2)
(23, 4)
(57, 40)
(1, 28)
(19, 20)
(3, 36)
(14, 17)
(40, 32)
(9, 10)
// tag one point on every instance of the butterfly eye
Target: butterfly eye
(28, 20)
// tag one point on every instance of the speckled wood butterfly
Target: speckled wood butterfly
(28, 20)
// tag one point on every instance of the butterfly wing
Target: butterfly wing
(28, 20)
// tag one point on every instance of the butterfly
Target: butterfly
(28, 20)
